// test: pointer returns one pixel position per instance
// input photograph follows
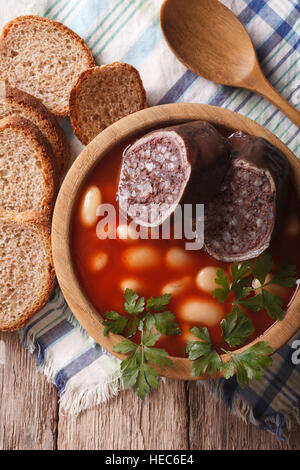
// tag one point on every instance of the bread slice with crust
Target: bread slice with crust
(14, 102)
(43, 58)
(27, 174)
(27, 277)
(102, 96)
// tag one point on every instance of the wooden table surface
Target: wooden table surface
(179, 415)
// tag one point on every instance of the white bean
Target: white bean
(141, 258)
(99, 261)
(177, 258)
(176, 287)
(131, 283)
(205, 279)
(195, 310)
(91, 200)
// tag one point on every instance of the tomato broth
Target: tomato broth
(106, 267)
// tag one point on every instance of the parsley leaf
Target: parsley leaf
(262, 267)
(146, 379)
(158, 303)
(149, 339)
(285, 275)
(221, 293)
(253, 303)
(272, 303)
(164, 322)
(133, 303)
(228, 369)
(132, 326)
(136, 372)
(136, 369)
(236, 328)
(116, 323)
(129, 378)
(157, 356)
(242, 288)
(151, 375)
(210, 363)
(240, 270)
(250, 364)
(204, 358)
(125, 346)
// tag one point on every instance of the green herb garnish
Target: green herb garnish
(249, 296)
(204, 357)
(247, 365)
(236, 328)
(136, 371)
(116, 323)
(151, 319)
(139, 310)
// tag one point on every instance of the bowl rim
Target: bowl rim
(142, 121)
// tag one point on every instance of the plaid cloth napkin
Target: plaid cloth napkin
(128, 30)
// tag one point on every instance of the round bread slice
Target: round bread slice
(27, 275)
(14, 102)
(102, 96)
(43, 58)
(27, 174)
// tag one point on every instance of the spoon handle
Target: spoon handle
(264, 88)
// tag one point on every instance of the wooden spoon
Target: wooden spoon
(210, 40)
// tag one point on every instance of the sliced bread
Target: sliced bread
(27, 175)
(102, 96)
(14, 102)
(43, 58)
(27, 276)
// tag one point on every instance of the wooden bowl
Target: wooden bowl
(277, 335)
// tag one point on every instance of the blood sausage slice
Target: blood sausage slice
(184, 163)
(240, 220)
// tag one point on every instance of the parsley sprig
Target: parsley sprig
(248, 364)
(152, 320)
(255, 298)
(136, 370)
(139, 310)
(236, 326)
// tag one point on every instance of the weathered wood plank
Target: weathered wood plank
(28, 406)
(213, 427)
(125, 422)
(177, 416)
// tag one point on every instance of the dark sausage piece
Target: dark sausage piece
(184, 163)
(239, 222)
